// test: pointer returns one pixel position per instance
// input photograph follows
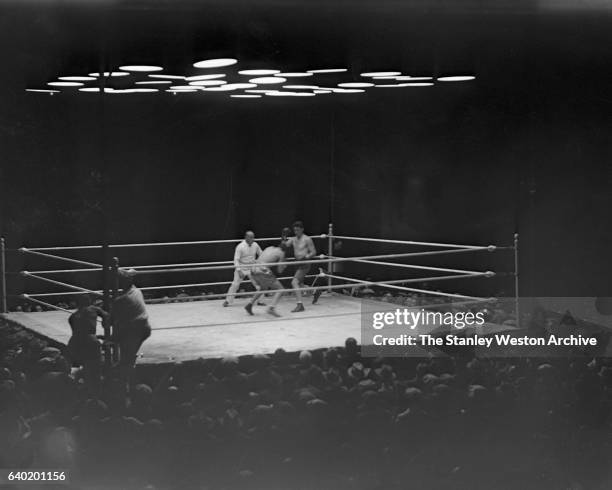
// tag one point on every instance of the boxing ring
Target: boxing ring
(193, 323)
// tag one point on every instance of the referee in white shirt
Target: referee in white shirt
(247, 252)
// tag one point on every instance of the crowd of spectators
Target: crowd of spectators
(310, 420)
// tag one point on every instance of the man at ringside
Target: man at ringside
(246, 253)
(130, 321)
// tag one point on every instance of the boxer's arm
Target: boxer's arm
(311, 250)
(281, 267)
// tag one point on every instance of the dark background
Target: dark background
(526, 147)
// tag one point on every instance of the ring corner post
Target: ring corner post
(330, 252)
(114, 285)
(517, 310)
(3, 306)
(106, 287)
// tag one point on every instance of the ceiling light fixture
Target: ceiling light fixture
(215, 63)
(205, 77)
(168, 77)
(110, 74)
(460, 78)
(65, 84)
(76, 79)
(355, 85)
(207, 83)
(46, 91)
(258, 72)
(140, 68)
(329, 70)
(268, 80)
(381, 74)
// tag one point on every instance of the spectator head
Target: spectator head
(305, 358)
(356, 371)
(331, 357)
(280, 356)
(249, 236)
(351, 346)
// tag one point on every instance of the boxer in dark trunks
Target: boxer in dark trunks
(266, 279)
(303, 249)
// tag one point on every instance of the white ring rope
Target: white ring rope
(221, 265)
(410, 242)
(162, 244)
(57, 257)
(423, 267)
(323, 259)
(64, 271)
(59, 283)
(49, 305)
(341, 286)
(64, 293)
(152, 288)
(423, 291)
(141, 267)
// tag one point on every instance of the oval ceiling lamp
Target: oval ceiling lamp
(231, 86)
(258, 72)
(278, 93)
(295, 74)
(136, 91)
(348, 90)
(204, 77)
(76, 79)
(184, 87)
(215, 63)
(408, 78)
(329, 70)
(168, 77)
(457, 78)
(65, 84)
(207, 83)
(108, 90)
(110, 74)
(301, 87)
(245, 96)
(355, 85)
(140, 68)
(382, 74)
(399, 85)
(42, 90)
(153, 82)
(267, 80)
